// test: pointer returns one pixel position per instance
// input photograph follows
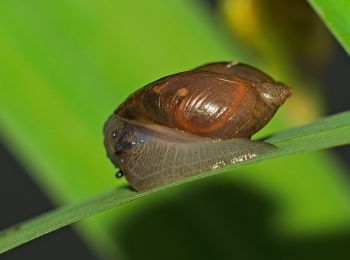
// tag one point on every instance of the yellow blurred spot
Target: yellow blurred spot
(242, 16)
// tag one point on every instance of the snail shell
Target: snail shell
(192, 122)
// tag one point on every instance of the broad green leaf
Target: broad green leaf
(336, 15)
(328, 132)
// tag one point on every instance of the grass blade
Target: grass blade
(336, 16)
(328, 132)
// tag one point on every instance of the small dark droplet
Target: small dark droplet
(119, 174)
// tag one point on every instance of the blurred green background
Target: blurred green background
(65, 65)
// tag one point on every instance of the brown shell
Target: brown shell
(218, 100)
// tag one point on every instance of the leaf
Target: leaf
(336, 16)
(328, 132)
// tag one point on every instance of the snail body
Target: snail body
(192, 122)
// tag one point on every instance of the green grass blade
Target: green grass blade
(328, 132)
(336, 15)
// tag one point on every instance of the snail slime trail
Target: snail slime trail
(192, 122)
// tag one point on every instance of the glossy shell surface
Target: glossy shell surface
(220, 101)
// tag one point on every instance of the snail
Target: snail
(192, 122)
